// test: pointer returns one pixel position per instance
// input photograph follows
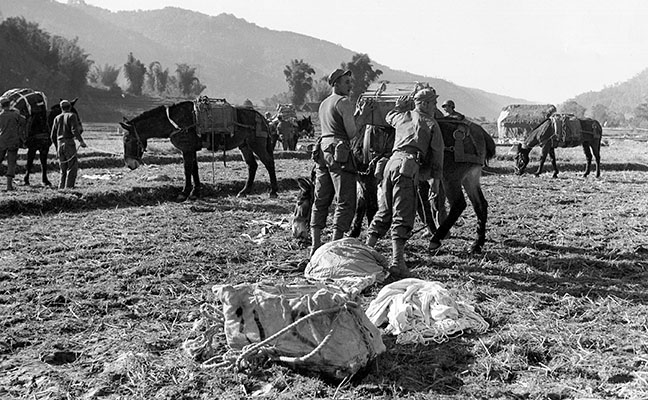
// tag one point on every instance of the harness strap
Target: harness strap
(170, 119)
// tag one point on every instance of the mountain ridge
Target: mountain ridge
(235, 58)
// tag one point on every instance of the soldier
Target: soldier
(65, 128)
(449, 107)
(12, 137)
(417, 155)
(335, 170)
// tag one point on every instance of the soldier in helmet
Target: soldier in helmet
(417, 155)
(449, 107)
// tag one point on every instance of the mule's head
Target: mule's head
(134, 148)
(301, 217)
(306, 126)
(521, 159)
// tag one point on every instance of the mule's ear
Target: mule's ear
(73, 102)
(519, 147)
(123, 125)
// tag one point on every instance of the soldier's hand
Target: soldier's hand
(401, 102)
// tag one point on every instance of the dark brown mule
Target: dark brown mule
(544, 135)
(177, 122)
(468, 147)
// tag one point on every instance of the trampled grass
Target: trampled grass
(101, 285)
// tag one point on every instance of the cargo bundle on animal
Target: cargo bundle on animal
(32, 105)
(208, 123)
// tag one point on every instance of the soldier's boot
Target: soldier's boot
(371, 240)
(398, 268)
(316, 239)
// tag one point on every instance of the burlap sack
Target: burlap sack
(313, 328)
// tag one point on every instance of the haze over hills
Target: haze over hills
(236, 59)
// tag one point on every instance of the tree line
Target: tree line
(151, 79)
(54, 63)
(302, 87)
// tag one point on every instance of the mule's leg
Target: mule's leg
(454, 193)
(424, 207)
(480, 205)
(195, 192)
(543, 157)
(260, 147)
(188, 158)
(43, 153)
(248, 157)
(588, 158)
(554, 164)
(31, 154)
(596, 149)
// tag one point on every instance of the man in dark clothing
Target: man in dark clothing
(12, 137)
(65, 128)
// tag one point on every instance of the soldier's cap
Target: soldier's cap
(425, 95)
(337, 74)
(448, 103)
(65, 104)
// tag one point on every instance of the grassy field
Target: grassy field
(101, 285)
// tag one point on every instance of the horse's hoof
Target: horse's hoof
(46, 183)
(181, 197)
(434, 244)
(273, 195)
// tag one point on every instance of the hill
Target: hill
(236, 59)
(622, 97)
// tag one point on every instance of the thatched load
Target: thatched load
(517, 120)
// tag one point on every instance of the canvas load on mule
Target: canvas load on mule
(215, 116)
(384, 95)
(287, 112)
(32, 105)
(311, 328)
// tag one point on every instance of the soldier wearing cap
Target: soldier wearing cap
(449, 107)
(335, 170)
(12, 137)
(417, 155)
(65, 128)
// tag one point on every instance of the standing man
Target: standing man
(417, 155)
(335, 169)
(286, 132)
(65, 128)
(12, 136)
(449, 107)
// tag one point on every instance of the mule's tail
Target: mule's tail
(490, 146)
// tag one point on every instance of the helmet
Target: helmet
(448, 103)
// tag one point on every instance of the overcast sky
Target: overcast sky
(545, 51)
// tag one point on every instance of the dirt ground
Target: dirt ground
(101, 285)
